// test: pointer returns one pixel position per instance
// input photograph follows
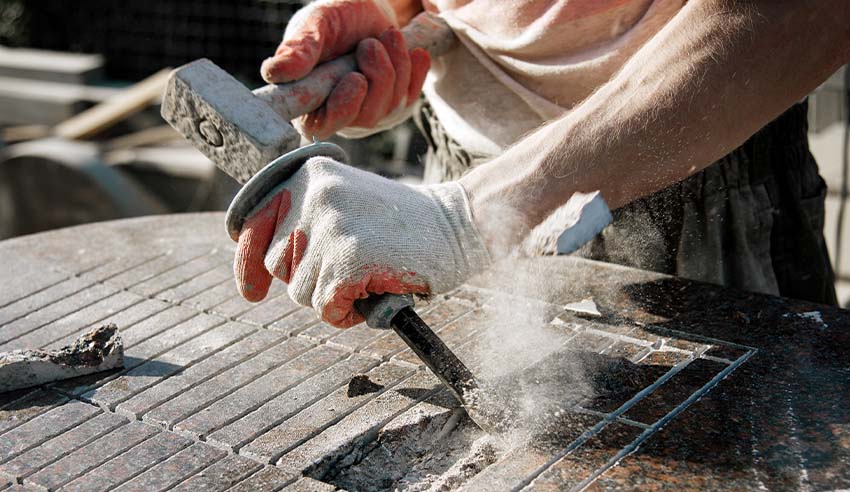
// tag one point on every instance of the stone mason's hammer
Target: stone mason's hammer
(241, 131)
(249, 136)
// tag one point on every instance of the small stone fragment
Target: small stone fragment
(585, 306)
(361, 385)
(98, 350)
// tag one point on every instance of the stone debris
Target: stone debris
(362, 385)
(98, 350)
(585, 306)
(417, 453)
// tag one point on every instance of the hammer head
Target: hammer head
(223, 119)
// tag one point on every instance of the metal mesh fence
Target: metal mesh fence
(139, 37)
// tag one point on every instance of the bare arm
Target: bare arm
(716, 74)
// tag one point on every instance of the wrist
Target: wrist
(500, 222)
(471, 253)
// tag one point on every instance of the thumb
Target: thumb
(323, 32)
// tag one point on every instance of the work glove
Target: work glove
(380, 94)
(335, 234)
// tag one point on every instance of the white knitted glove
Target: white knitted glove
(335, 234)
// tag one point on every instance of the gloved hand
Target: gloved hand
(390, 78)
(335, 234)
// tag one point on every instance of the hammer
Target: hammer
(249, 136)
(241, 131)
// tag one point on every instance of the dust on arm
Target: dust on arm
(718, 72)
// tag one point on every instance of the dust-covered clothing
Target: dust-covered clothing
(752, 220)
(521, 63)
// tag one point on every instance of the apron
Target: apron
(753, 220)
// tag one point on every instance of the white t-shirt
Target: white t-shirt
(521, 63)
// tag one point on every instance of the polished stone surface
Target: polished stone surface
(688, 386)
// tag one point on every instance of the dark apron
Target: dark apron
(753, 220)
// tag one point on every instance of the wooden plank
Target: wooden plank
(116, 108)
(35, 102)
(50, 66)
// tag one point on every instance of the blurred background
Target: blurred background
(80, 86)
(81, 139)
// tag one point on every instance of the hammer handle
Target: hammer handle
(299, 97)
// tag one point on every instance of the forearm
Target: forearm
(718, 72)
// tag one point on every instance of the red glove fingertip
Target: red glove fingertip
(252, 278)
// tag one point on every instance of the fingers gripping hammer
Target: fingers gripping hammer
(249, 136)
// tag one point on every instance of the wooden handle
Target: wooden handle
(294, 99)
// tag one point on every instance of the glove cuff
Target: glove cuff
(470, 252)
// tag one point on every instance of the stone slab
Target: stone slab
(627, 350)
(357, 428)
(124, 318)
(40, 298)
(67, 328)
(199, 372)
(174, 469)
(220, 476)
(209, 298)
(157, 266)
(53, 449)
(234, 435)
(222, 385)
(356, 337)
(232, 307)
(90, 456)
(31, 278)
(269, 311)
(12, 335)
(674, 391)
(53, 66)
(254, 394)
(320, 332)
(580, 464)
(287, 435)
(140, 353)
(295, 322)
(172, 362)
(512, 469)
(129, 464)
(198, 284)
(30, 406)
(268, 479)
(308, 484)
(43, 427)
(178, 275)
(157, 323)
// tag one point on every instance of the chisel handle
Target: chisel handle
(380, 309)
(299, 97)
(396, 312)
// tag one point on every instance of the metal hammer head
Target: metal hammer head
(223, 119)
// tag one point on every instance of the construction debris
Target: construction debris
(362, 385)
(98, 350)
(585, 306)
